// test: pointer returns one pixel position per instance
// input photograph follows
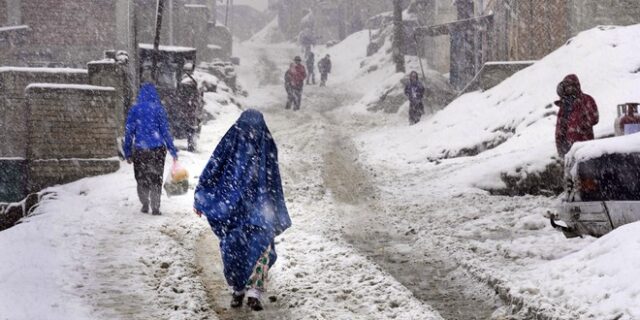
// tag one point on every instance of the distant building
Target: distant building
(333, 19)
(460, 36)
(73, 32)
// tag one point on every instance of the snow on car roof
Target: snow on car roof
(68, 86)
(48, 70)
(149, 46)
(583, 151)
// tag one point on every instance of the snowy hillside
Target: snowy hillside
(509, 129)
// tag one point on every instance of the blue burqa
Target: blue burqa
(240, 193)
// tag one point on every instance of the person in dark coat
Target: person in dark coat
(324, 67)
(577, 115)
(240, 194)
(311, 63)
(298, 75)
(414, 90)
(146, 141)
(190, 110)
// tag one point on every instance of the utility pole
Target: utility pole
(156, 41)
(398, 37)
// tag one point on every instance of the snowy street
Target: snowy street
(386, 224)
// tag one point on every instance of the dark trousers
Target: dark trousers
(416, 110)
(323, 79)
(294, 98)
(148, 166)
(311, 77)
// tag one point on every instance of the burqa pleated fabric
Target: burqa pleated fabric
(240, 193)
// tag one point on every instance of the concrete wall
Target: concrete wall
(72, 133)
(13, 117)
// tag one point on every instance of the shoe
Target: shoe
(236, 300)
(156, 212)
(145, 208)
(254, 304)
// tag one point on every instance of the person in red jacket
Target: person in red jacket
(577, 115)
(297, 77)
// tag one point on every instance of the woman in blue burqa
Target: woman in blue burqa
(240, 193)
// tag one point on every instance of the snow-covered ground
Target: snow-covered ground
(434, 173)
(387, 219)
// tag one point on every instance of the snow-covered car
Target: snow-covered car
(602, 187)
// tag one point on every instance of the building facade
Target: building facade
(460, 36)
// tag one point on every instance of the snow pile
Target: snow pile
(601, 279)
(376, 79)
(509, 129)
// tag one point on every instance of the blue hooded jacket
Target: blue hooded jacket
(147, 124)
(240, 193)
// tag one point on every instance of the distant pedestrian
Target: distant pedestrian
(311, 63)
(577, 115)
(288, 86)
(630, 123)
(147, 139)
(298, 74)
(324, 67)
(240, 194)
(414, 90)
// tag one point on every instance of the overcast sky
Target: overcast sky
(258, 4)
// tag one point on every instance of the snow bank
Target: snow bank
(601, 278)
(509, 129)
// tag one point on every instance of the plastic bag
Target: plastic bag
(178, 183)
(178, 172)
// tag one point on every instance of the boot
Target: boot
(254, 304)
(236, 300)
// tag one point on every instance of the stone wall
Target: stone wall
(4, 14)
(109, 73)
(72, 133)
(192, 28)
(13, 118)
(71, 32)
(587, 14)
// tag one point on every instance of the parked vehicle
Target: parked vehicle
(180, 93)
(602, 187)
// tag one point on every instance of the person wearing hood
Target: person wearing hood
(240, 194)
(147, 139)
(298, 75)
(414, 90)
(577, 115)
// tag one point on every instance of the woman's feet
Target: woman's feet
(254, 304)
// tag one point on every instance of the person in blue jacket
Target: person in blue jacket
(146, 141)
(240, 193)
